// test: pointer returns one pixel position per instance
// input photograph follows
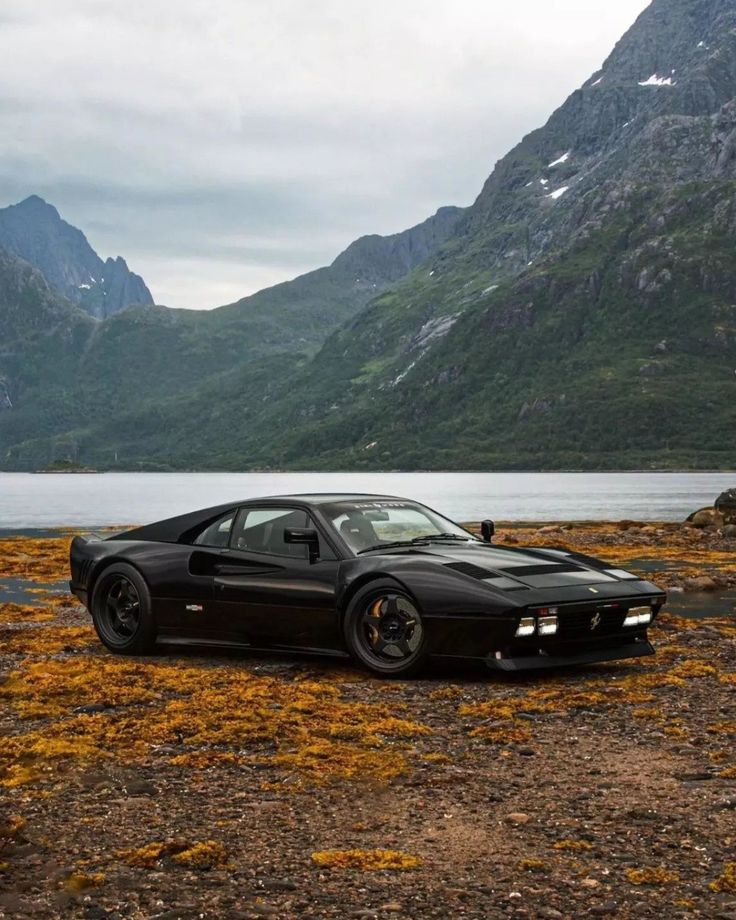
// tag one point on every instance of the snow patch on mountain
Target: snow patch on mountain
(656, 80)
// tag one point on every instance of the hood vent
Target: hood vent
(491, 578)
(548, 569)
(467, 568)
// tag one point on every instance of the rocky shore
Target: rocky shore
(250, 786)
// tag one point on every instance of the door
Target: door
(267, 592)
(185, 592)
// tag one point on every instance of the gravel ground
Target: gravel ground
(240, 786)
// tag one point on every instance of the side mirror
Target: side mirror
(304, 536)
(487, 529)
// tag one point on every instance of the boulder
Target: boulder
(626, 525)
(706, 517)
(725, 505)
(729, 531)
(701, 583)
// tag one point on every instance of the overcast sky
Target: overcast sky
(224, 145)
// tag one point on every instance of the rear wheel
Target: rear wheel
(384, 630)
(121, 611)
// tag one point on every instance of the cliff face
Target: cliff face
(34, 231)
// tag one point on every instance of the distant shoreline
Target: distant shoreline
(372, 472)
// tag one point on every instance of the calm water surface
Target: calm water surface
(108, 499)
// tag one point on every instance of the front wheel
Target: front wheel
(383, 630)
(121, 611)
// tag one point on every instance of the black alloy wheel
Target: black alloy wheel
(384, 630)
(121, 611)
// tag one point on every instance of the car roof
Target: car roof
(322, 498)
(171, 530)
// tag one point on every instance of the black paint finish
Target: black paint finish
(471, 595)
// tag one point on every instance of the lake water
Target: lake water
(47, 501)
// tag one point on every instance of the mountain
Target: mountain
(299, 314)
(34, 231)
(583, 312)
(177, 365)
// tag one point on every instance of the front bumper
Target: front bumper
(560, 657)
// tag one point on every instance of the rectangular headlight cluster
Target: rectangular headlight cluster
(638, 616)
(544, 623)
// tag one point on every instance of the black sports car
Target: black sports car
(385, 580)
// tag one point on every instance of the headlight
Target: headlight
(527, 626)
(547, 626)
(638, 616)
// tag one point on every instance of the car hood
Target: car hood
(508, 568)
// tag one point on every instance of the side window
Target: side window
(261, 530)
(217, 533)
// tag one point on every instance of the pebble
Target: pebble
(140, 787)
(278, 884)
(518, 817)
(93, 912)
(607, 907)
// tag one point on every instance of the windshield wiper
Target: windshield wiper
(443, 536)
(415, 541)
(369, 549)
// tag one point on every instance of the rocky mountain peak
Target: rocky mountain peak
(36, 205)
(34, 231)
(626, 123)
(391, 257)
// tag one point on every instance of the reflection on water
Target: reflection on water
(699, 605)
(692, 604)
(647, 566)
(26, 590)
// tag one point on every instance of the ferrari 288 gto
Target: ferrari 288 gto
(384, 580)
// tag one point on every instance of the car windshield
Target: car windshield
(368, 525)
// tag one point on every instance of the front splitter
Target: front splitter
(541, 662)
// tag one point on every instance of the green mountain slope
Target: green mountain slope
(582, 314)
(153, 355)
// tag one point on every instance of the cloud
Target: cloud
(222, 147)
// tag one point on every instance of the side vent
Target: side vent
(84, 571)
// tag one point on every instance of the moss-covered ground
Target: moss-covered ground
(217, 786)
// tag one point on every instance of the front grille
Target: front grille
(590, 622)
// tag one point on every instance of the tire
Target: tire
(121, 611)
(396, 645)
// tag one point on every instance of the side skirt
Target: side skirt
(247, 647)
